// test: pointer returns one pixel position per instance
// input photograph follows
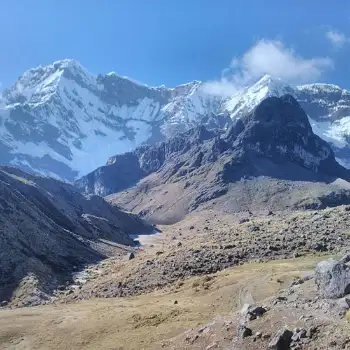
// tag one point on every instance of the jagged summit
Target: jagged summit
(273, 84)
(250, 97)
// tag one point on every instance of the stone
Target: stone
(281, 298)
(311, 331)
(281, 340)
(298, 281)
(298, 334)
(179, 244)
(258, 334)
(244, 331)
(332, 279)
(258, 311)
(345, 259)
(242, 221)
(303, 333)
(131, 256)
(319, 247)
(344, 303)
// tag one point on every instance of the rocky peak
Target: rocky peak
(280, 112)
(278, 128)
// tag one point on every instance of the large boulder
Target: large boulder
(281, 340)
(332, 278)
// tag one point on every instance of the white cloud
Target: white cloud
(268, 57)
(337, 39)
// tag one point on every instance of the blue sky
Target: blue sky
(174, 41)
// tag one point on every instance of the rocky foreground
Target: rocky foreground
(209, 242)
(312, 313)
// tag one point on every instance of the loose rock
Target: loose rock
(244, 331)
(131, 256)
(281, 340)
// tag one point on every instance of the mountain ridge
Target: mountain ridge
(269, 152)
(62, 121)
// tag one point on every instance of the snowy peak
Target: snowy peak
(39, 84)
(246, 100)
(269, 86)
(60, 120)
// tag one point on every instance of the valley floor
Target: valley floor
(148, 321)
(185, 286)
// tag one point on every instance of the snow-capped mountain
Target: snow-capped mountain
(63, 121)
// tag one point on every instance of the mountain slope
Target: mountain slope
(270, 157)
(48, 229)
(62, 121)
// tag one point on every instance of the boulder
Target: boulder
(130, 256)
(281, 340)
(244, 331)
(332, 278)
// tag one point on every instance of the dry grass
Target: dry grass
(143, 322)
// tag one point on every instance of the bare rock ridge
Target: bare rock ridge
(48, 229)
(274, 143)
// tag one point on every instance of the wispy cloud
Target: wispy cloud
(270, 57)
(337, 39)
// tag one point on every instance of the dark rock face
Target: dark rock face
(275, 141)
(279, 129)
(48, 229)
